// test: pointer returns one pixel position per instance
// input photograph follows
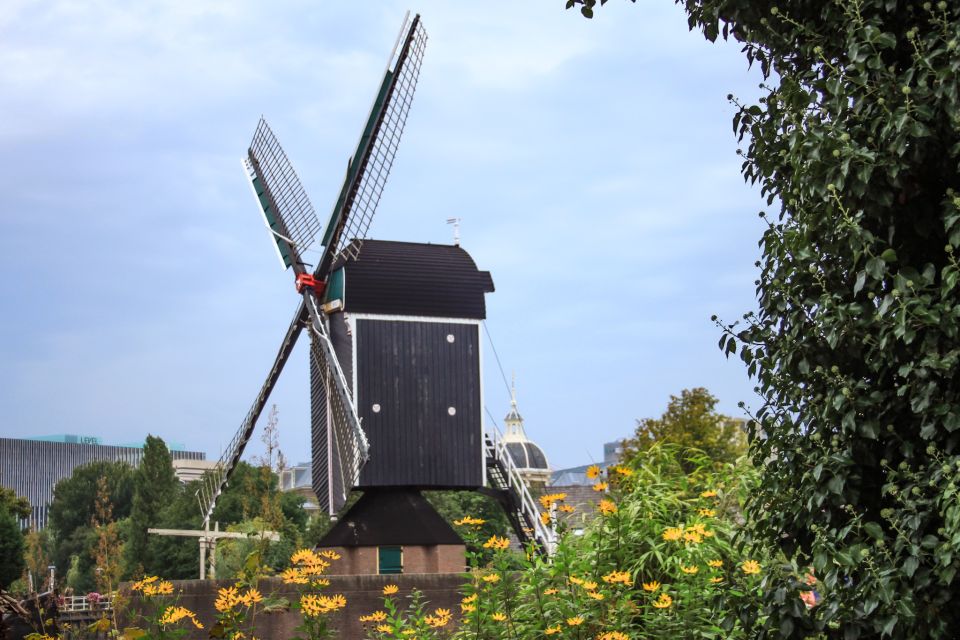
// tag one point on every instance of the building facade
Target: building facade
(32, 467)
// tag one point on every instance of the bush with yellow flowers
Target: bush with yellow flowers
(160, 615)
(306, 573)
(415, 619)
(654, 558)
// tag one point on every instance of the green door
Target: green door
(390, 559)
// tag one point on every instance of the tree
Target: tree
(155, 486)
(17, 506)
(691, 421)
(855, 348)
(74, 500)
(11, 548)
(37, 558)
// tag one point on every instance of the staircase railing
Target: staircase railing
(512, 482)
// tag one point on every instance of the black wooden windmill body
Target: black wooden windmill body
(395, 341)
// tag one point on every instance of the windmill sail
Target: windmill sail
(284, 204)
(215, 481)
(336, 426)
(370, 165)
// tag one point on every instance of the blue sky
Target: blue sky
(592, 162)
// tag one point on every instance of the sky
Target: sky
(592, 163)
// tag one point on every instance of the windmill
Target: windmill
(394, 331)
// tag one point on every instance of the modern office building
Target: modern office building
(33, 466)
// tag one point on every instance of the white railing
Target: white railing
(544, 534)
(78, 604)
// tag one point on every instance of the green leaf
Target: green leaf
(861, 280)
(910, 566)
(875, 267)
(874, 530)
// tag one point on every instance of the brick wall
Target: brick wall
(443, 558)
(363, 593)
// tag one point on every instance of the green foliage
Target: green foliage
(155, 486)
(456, 505)
(641, 569)
(73, 505)
(17, 506)
(692, 422)
(11, 547)
(855, 345)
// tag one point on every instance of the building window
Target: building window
(390, 559)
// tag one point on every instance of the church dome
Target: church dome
(528, 456)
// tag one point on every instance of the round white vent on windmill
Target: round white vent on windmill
(376, 408)
(452, 411)
(450, 338)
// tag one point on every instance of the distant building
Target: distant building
(189, 470)
(612, 453)
(33, 466)
(527, 455)
(298, 480)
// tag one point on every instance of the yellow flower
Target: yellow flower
(252, 596)
(565, 508)
(436, 621)
(384, 628)
(692, 536)
(751, 567)
(593, 472)
(321, 582)
(549, 592)
(499, 617)
(672, 533)
(651, 586)
(227, 598)
(595, 595)
(716, 580)
(626, 472)
(293, 576)
(691, 570)
(138, 586)
(589, 585)
(613, 635)
(707, 513)
(607, 507)
(663, 602)
(467, 520)
(552, 630)
(491, 578)
(467, 608)
(376, 616)
(496, 542)
(469, 599)
(390, 589)
(443, 613)
(545, 517)
(548, 500)
(600, 486)
(575, 621)
(716, 564)
(614, 577)
(708, 494)
(330, 555)
(305, 556)
(575, 580)
(175, 614)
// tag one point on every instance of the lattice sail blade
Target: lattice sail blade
(336, 426)
(369, 168)
(327, 472)
(283, 202)
(214, 482)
